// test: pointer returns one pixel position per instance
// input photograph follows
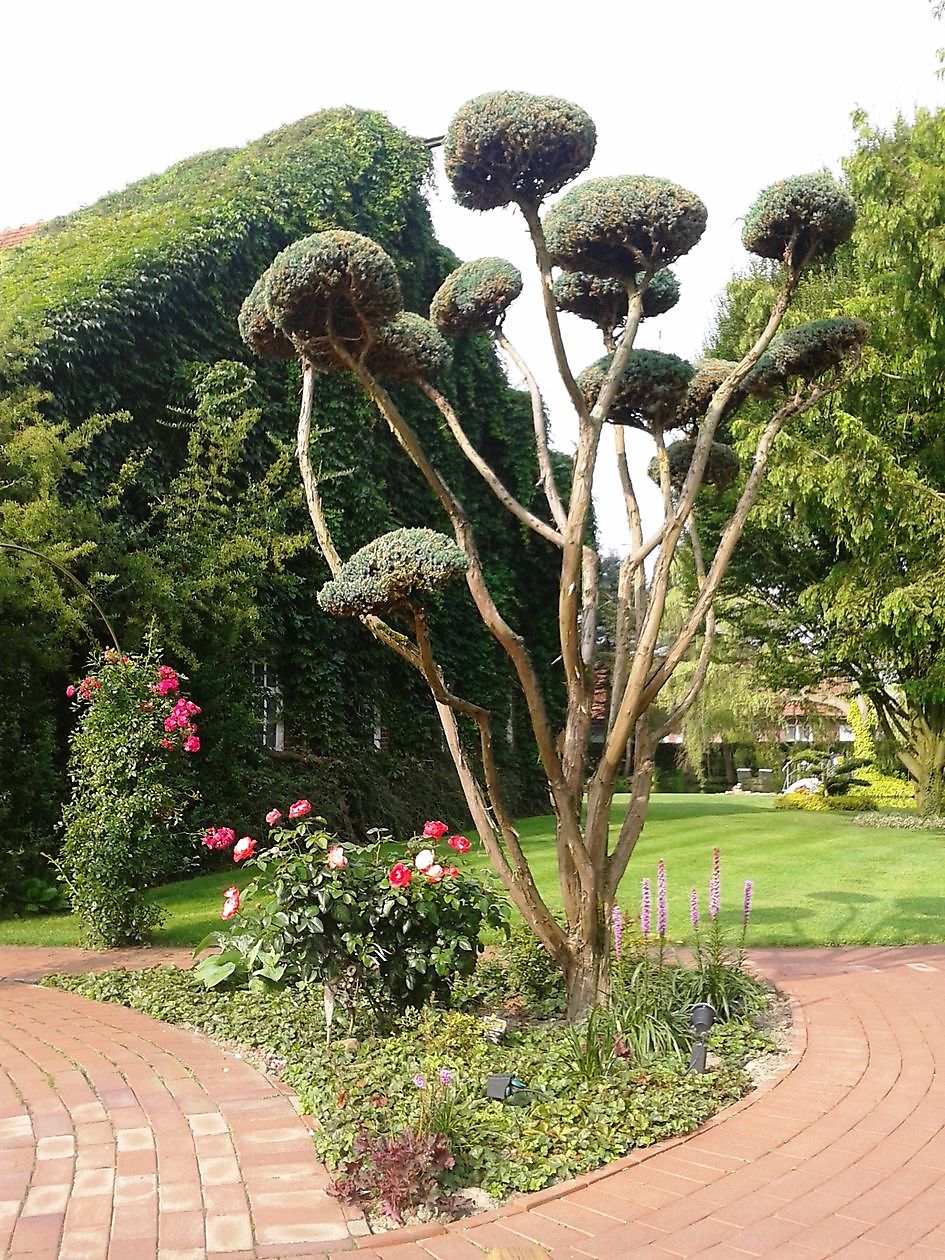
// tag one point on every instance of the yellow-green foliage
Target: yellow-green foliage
(850, 802)
(885, 790)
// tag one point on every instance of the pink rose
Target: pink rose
(424, 859)
(434, 873)
(434, 830)
(192, 744)
(70, 691)
(450, 872)
(231, 902)
(459, 843)
(244, 849)
(219, 838)
(336, 857)
(400, 875)
(299, 809)
(166, 743)
(273, 817)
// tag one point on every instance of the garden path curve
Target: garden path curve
(120, 1136)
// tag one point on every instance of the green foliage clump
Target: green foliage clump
(707, 377)
(329, 285)
(394, 570)
(807, 352)
(650, 390)
(257, 329)
(512, 147)
(900, 822)
(804, 216)
(817, 802)
(376, 932)
(475, 296)
(661, 294)
(405, 348)
(122, 827)
(622, 225)
(721, 469)
(604, 300)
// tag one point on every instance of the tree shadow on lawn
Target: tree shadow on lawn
(665, 809)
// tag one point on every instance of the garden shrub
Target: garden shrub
(901, 822)
(123, 824)
(372, 931)
(849, 803)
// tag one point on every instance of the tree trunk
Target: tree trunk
(586, 976)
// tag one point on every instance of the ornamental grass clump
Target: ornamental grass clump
(378, 935)
(123, 827)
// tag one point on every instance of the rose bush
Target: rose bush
(388, 934)
(129, 762)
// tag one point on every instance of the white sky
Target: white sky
(723, 97)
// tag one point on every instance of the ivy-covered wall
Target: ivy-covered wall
(192, 513)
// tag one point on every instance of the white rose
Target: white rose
(425, 858)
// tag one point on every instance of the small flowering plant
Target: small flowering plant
(720, 965)
(392, 929)
(130, 765)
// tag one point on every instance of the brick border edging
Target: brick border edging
(525, 1202)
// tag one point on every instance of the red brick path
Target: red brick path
(123, 1137)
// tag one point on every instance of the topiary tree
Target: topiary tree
(330, 296)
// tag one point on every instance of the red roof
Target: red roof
(16, 236)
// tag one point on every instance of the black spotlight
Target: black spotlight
(701, 1017)
(503, 1088)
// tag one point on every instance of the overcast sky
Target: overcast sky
(723, 97)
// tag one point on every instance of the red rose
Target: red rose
(273, 817)
(449, 872)
(400, 875)
(231, 903)
(459, 843)
(244, 849)
(434, 873)
(300, 809)
(434, 830)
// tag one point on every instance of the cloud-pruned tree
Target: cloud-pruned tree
(331, 295)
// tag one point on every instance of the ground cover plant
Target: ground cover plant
(404, 1119)
(820, 879)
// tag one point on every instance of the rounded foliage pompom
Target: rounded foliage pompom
(721, 469)
(407, 347)
(805, 216)
(604, 300)
(806, 352)
(622, 225)
(661, 294)
(708, 376)
(510, 147)
(331, 283)
(475, 296)
(393, 571)
(649, 392)
(257, 329)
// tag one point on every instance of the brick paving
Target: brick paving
(122, 1137)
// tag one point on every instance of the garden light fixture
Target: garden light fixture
(702, 1017)
(503, 1087)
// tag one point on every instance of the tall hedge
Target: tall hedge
(111, 308)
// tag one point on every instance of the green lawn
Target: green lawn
(818, 879)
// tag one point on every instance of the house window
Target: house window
(798, 733)
(270, 706)
(381, 733)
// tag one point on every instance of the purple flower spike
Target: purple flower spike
(661, 913)
(645, 907)
(446, 1076)
(694, 909)
(420, 1081)
(746, 910)
(715, 886)
(616, 923)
